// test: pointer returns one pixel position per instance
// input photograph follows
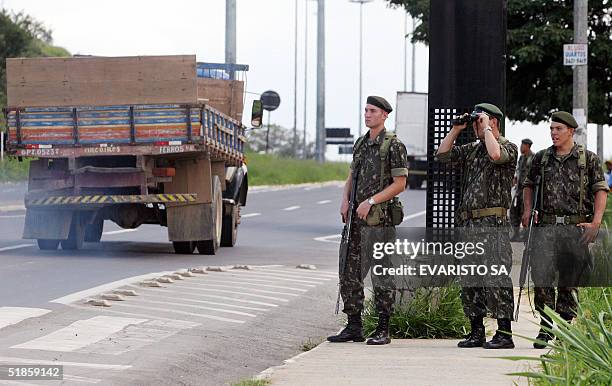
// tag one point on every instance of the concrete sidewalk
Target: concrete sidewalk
(410, 362)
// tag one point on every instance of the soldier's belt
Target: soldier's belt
(485, 212)
(552, 219)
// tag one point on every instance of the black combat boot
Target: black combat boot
(476, 337)
(543, 335)
(381, 334)
(352, 332)
(502, 337)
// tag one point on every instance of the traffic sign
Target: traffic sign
(271, 100)
(575, 54)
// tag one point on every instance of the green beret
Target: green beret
(565, 118)
(491, 110)
(527, 141)
(379, 102)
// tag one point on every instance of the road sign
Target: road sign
(575, 54)
(337, 132)
(271, 100)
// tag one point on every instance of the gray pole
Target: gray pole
(600, 142)
(406, 52)
(413, 55)
(360, 65)
(295, 137)
(230, 33)
(580, 95)
(304, 155)
(320, 146)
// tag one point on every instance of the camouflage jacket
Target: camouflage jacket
(522, 169)
(485, 183)
(368, 183)
(561, 181)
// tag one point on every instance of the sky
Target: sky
(265, 41)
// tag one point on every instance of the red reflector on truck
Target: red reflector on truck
(38, 146)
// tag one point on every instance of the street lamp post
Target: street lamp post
(361, 2)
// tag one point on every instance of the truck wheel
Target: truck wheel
(229, 233)
(93, 232)
(76, 236)
(210, 247)
(184, 247)
(48, 245)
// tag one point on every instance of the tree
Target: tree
(537, 81)
(280, 141)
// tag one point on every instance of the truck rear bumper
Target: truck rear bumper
(96, 201)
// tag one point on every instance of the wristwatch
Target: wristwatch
(488, 128)
(371, 201)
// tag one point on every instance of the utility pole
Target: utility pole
(230, 34)
(581, 86)
(295, 49)
(413, 68)
(320, 144)
(361, 2)
(406, 51)
(304, 153)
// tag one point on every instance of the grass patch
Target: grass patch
(607, 218)
(311, 343)
(267, 169)
(433, 313)
(11, 170)
(252, 382)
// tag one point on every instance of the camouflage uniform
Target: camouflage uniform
(516, 210)
(559, 250)
(359, 259)
(486, 184)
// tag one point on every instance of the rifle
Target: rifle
(348, 227)
(527, 251)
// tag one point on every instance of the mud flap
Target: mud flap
(47, 224)
(190, 222)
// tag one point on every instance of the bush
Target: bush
(13, 170)
(433, 313)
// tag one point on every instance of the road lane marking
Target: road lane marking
(245, 282)
(207, 284)
(212, 303)
(12, 208)
(77, 378)
(280, 277)
(14, 315)
(177, 285)
(186, 324)
(211, 296)
(290, 208)
(254, 280)
(98, 366)
(314, 273)
(329, 239)
(178, 304)
(250, 215)
(323, 202)
(415, 215)
(13, 216)
(80, 334)
(119, 231)
(198, 315)
(13, 247)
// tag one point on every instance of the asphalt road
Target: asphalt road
(214, 328)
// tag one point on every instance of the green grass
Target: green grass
(309, 344)
(266, 169)
(607, 219)
(433, 313)
(252, 382)
(12, 170)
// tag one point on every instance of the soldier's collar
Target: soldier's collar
(379, 138)
(573, 152)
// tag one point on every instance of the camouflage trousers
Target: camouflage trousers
(490, 295)
(516, 211)
(357, 266)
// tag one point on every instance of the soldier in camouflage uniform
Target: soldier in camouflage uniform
(516, 209)
(373, 193)
(488, 168)
(571, 204)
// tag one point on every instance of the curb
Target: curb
(269, 372)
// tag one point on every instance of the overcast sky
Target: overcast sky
(265, 40)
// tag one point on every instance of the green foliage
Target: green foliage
(538, 83)
(12, 170)
(269, 169)
(432, 313)
(253, 382)
(309, 344)
(280, 141)
(581, 353)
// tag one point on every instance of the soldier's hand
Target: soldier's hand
(589, 232)
(344, 207)
(461, 126)
(527, 216)
(363, 210)
(483, 121)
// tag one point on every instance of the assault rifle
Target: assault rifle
(345, 242)
(525, 262)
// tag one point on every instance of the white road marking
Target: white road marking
(415, 215)
(14, 315)
(207, 284)
(276, 276)
(323, 202)
(268, 266)
(245, 282)
(152, 317)
(178, 304)
(329, 239)
(13, 216)
(250, 215)
(314, 273)
(250, 279)
(77, 378)
(177, 285)
(213, 297)
(99, 366)
(106, 287)
(119, 231)
(79, 334)
(198, 315)
(182, 298)
(290, 208)
(11, 208)
(13, 247)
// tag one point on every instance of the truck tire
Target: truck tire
(47, 244)
(210, 247)
(93, 231)
(76, 236)
(229, 233)
(184, 247)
